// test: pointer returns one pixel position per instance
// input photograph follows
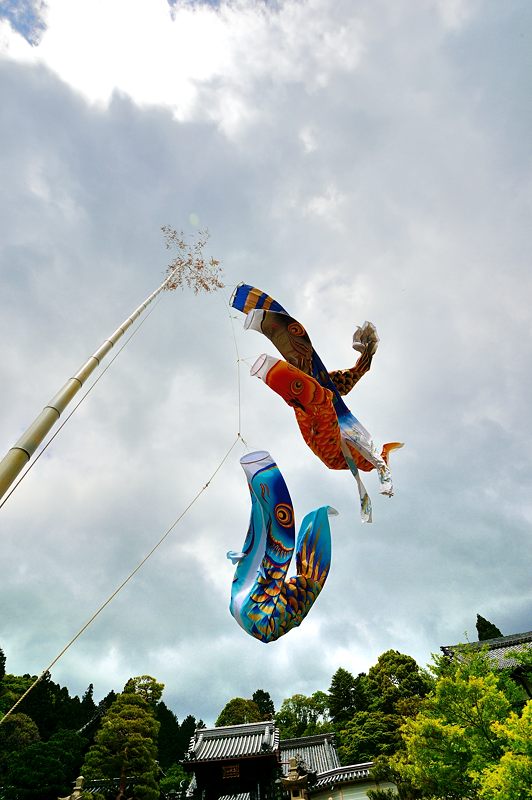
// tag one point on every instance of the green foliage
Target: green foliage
(347, 695)
(300, 715)
(395, 678)
(174, 778)
(43, 770)
(264, 703)
(11, 688)
(392, 691)
(125, 745)
(2, 664)
(486, 630)
(367, 735)
(168, 739)
(16, 733)
(455, 738)
(186, 732)
(48, 704)
(511, 777)
(239, 711)
(146, 687)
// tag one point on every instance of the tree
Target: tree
(174, 780)
(300, 715)
(44, 770)
(88, 706)
(126, 743)
(486, 630)
(168, 743)
(394, 679)
(186, 732)
(367, 735)
(16, 733)
(238, 711)
(391, 692)
(511, 777)
(49, 705)
(2, 664)
(264, 703)
(347, 695)
(454, 738)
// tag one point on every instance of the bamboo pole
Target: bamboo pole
(20, 454)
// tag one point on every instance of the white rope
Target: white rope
(121, 586)
(154, 548)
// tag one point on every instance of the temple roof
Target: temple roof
(317, 752)
(233, 741)
(351, 774)
(499, 649)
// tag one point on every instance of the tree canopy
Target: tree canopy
(239, 711)
(125, 745)
(486, 629)
(300, 715)
(466, 740)
(264, 703)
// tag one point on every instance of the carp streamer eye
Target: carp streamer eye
(284, 514)
(296, 329)
(296, 387)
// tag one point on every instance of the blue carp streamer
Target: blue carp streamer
(263, 602)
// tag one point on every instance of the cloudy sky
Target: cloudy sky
(357, 159)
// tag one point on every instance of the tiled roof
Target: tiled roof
(317, 752)
(233, 741)
(351, 774)
(498, 649)
(241, 796)
(108, 785)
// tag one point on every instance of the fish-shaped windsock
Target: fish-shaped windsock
(332, 432)
(263, 602)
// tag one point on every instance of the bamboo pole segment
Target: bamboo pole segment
(20, 454)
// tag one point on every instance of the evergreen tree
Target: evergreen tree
(347, 695)
(48, 704)
(44, 770)
(126, 743)
(88, 706)
(2, 664)
(264, 703)
(186, 732)
(168, 740)
(16, 733)
(486, 629)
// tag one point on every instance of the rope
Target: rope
(121, 586)
(161, 540)
(75, 408)
(238, 360)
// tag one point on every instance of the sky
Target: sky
(358, 160)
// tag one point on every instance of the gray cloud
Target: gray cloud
(394, 188)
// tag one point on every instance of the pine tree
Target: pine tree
(486, 629)
(126, 743)
(342, 696)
